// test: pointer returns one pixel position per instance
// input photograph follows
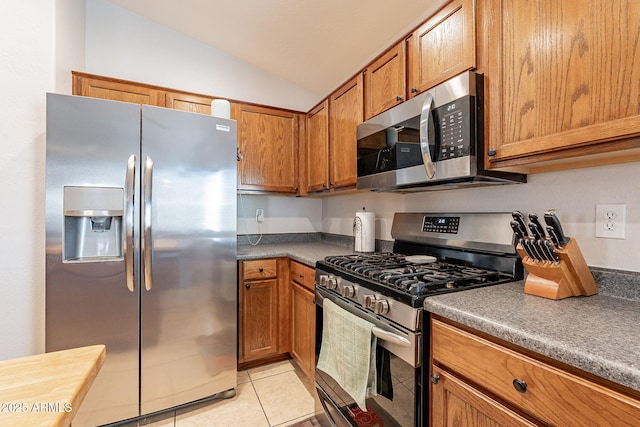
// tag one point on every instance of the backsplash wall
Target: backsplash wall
(573, 193)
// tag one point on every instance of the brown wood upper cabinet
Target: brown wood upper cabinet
(345, 113)
(317, 148)
(564, 81)
(116, 90)
(443, 47)
(188, 102)
(385, 81)
(268, 144)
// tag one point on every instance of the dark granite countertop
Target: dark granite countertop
(598, 334)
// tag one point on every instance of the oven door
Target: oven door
(405, 352)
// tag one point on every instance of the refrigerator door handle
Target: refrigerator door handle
(147, 243)
(130, 180)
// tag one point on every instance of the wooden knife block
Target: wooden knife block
(570, 277)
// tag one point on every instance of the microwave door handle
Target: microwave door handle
(427, 107)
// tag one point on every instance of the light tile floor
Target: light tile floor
(279, 394)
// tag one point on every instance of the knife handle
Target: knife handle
(535, 232)
(533, 218)
(517, 230)
(519, 218)
(551, 219)
(554, 237)
(520, 238)
(534, 251)
(552, 251)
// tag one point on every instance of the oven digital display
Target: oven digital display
(441, 224)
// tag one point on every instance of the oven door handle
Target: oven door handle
(391, 337)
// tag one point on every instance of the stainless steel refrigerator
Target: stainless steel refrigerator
(141, 251)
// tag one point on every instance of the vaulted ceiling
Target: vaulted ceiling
(315, 44)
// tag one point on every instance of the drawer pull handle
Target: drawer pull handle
(435, 378)
(520, 385)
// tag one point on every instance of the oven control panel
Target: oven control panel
(441, 224)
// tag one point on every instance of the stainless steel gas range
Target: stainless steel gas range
(433, 253)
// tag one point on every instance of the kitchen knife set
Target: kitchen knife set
(555, 265)
(534, 241)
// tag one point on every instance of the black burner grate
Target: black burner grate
(392, 270)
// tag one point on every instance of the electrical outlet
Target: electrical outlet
(259, 216)
(611, 221)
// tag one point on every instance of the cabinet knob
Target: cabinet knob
(414, 90)
(398, 98)
(261, 270)
(435, 378)
(301, 276)
(520, 385)
(247, 286)
(492, 152)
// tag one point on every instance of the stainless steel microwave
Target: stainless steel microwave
(433, 141)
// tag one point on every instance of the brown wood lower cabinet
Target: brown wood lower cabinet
(478, 381)
(263, 314)
(303, 317)
(456, 403)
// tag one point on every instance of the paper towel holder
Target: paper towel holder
(364, 231)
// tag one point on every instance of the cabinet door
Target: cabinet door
(268, 143)
(317, 153)
(529, 385)
(385, 83)
(259, 302)
(455, 403)
(188, 102)
(442, 47)
(345, 113)
(562, 75)
(115, 90)
(303, 328)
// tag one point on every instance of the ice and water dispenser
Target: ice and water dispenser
(93, 224)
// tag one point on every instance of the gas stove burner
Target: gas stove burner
(395, 271)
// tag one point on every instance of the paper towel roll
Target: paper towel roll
(364, 231)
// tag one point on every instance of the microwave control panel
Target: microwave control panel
(455, 124)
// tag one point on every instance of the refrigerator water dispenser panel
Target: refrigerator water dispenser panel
(93, 224)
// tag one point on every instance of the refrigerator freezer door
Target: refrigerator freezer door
(89, 142)
(189, 312)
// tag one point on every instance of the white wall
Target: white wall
(574, 193)
(125, 45)
(40, 41)
(281, 215)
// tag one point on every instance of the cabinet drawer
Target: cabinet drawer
(259, 269)
(551, 394)
(302, 274)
